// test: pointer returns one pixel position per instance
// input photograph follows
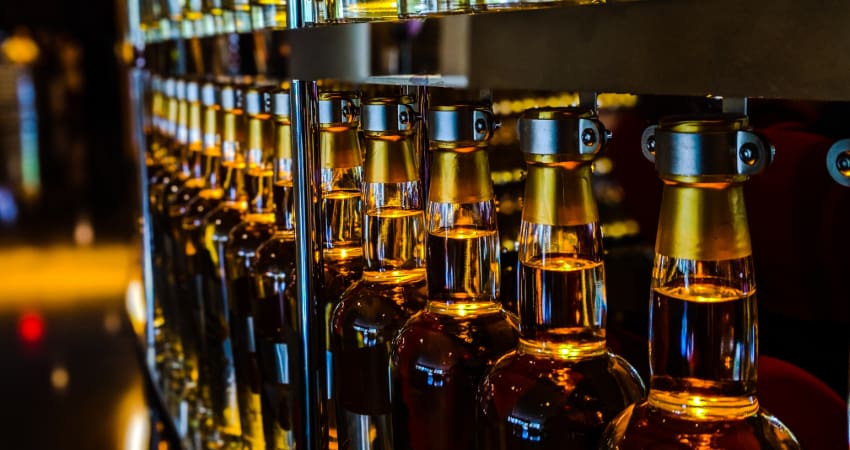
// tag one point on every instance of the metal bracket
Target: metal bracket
(737, 105)
(838, 162)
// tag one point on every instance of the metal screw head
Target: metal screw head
(650, 144)
(588, 137)
(403, 117)
(480, 126)
(748, 154)
(843, 163)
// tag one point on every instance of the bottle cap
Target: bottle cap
(561, 134)
(471, 125)
(706, 146)
(180, 89)
(168, 87)
(209, 94)
(192, 91)
(388, 115)
(280, 104)
(339, 109)
(228, 98)
(253, 101)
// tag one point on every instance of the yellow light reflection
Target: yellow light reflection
(136, 309)
(133, 423)
(64, 275)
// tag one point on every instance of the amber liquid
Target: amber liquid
(563, 299)
(643, 426)
(400, 244)
(530, 402)
(463, 264)
(274, 307)
(241, 253)
(703, 353)
(697, 332)
(438, 362)
(225, 408)
(363, 327)
(184, 294)
(342, 220)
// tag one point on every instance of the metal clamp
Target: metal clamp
(339, 109)
(280, 104)
(209, 94)
(381, 115)
(740, 152)
(838, 162)
(461, 124)
(561, 131)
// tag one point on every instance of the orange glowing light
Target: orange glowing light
(31, 327)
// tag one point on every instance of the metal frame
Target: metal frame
(757, 48)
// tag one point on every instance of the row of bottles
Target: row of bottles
(417, 351)
(162, 20)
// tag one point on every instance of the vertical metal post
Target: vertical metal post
(307, 219)
(136, 75)
(423, 103)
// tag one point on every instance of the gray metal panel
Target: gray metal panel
(756, 48)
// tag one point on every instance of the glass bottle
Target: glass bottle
(156, 169)
(273, 303)
(561, 386)
(364, 10)
(268, 14)
(440, 354)
(179, 193)
(393, 286)
(241, 10)
(421, 8)
(342, 253)
(171, 362)
(240, 254)
(217, 224)
(703, 322)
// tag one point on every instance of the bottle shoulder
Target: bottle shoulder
(604, 383)
(378, 305)
(644, 426)
(276, 255)
(223, 218)
(249, 235)
(482, 337)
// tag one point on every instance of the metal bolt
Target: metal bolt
(403, 117)
(748, 154)
(843, 163)
(588, 137)
(480, 126)
(650, 144)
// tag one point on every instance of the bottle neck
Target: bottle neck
(562, 299)
(463, 240)
(183, 154)
(195, 142)
(341, 196)
(284, 211)
(703, 318)
(211, 149)
(394, 220)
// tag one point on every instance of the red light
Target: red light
(31, 327)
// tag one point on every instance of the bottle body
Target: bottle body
(703, 327)
(528, 401)
(441, 354)
(274, 308)
(438, 360)
(240, 255)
